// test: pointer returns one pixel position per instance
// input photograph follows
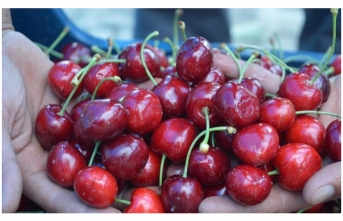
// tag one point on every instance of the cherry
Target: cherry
(322, 82)
(267, 63)
(200, 97)
(172, 92)
(306, 129)
(223, 140)
(209, 168)
(170, 70)
(144, 111)
(248, 185)
(145, 200)
(81, 138)
(256, 144)
(296, 163)
(51, 127)
(297, 88)
(332, 141)
(60, 76)
(336, 65)
(133, 69)
(77, 52)
(215, 75)
(125, 156)
(96, 187)
(181, 194)
(84, 150)
(149, 175)
(236, 105)
(194, 59)
(63, 163)
(173, 138)
(254, 86)
(217, 190)
(102, 119)
(278, 112)
(76, 110)
(118, 91)
(96, 74)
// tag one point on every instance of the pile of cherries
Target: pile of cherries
(125, 120)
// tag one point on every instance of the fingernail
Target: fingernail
(322, 194)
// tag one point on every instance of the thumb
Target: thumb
(325, 185)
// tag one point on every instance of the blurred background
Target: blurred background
(253, 26)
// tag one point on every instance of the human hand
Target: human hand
(323, 186)
(25, 91)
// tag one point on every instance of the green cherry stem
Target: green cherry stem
(126, 202)
(97, 144)
(182, 27)
(173, 48)
(230, 130)
(114, 78)
(273, 172)
(116, 47)
(57, 40)
(204, 144)
(252, 57)
(76, 82)
(317, 112)
(270, 95)
(177, 15)
(151, 35)
(109, 48)
(163, 159)
(227, 49)
(52, 52)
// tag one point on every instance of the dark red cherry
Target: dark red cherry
(77, 52)
(118, 91)
(63, 163)
(51, 128)
(199, 98)
(84, 150)
(194, 59)
(254, 86)
(332, 142)
(96, 187)
(76, 110)
(60, 76)
(271, 66)
(236, 105)
(215, 75)
(336, 64)
(296, 163)
(170, 70)
(102, 119)
(297, 88)
(209, 168)
(125, 156)
(181, 194)
(218, 190)
(133, 69)
(248, 185)
(223, 140)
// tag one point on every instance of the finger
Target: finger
(324, 185)
(278, 201)
(269, 80)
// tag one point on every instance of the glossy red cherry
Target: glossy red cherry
(248, 185)
(77, 52)
(336, 64)
(96, 187)
(297, 88)
(236, 105)
(84, 150)
(173, 137)
(76, 110)
(217, 190)
(306, 129)
(278, 112)
(194, 59)
(270, 66)
(63, 163)
(332, 142)
(223, 140)
(125, 156)
(145, 200)
(170, 70)
(181, 194)
(254, 86)
(97, 73)
(144, 111)
(296, 163)
(60, 76)
(172, 92)
(102, 119)
(51, 128)
(215, 75)
(209, 168)
(133, 69)
(118, 91)
(199, 98)
(256, 144)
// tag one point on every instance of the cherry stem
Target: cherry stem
(177, 15)
(227, 49)
(174, 50)
(204, 144)
(109, 48)
(57, 40)
(273, 172)
(229, 129)
(324, 57)
(332, 48)
(153, 34)
(126, 202)
(249, 61)
(97, 144)
(114, 78)
(96, 49)
(307, 58)
(52, 52)
(163, 159)
(317, 112)
(182, 27)
(76, 82)
(270, 95)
